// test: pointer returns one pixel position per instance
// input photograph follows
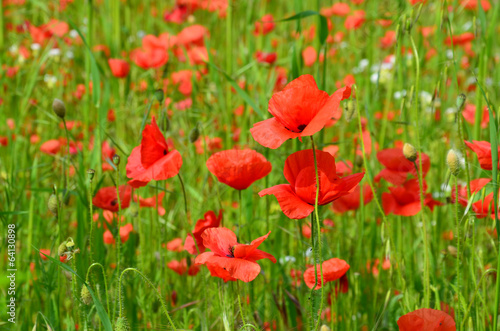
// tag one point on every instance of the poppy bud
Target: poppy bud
(90, 174)
(53, 204)
(194, 134)
(409, 152)
(350, 109)
(324, 328)
(159, 95)
(409, 25)
(460, 101)
(453, 162)
(62, 248)
(116, 160)
(121, 324)
(452, 250)
(85, 295)
(59, 108)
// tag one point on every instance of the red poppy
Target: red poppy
(397, 166)
(238, 168)
(119, 68)
(263, 57)
(469, 114)
(388, 40)
(297, 198)
(180, 267)
(474, 4)
(264, 25)
(183, 78)
(152, 202)
(153, 53)
(51, 147)
(192, 35)
(352, 200)
(338, 9)
(228, 259)
(124, 234)
(299, 110)
(209, 220)
(355, 21)
(309, 55)
(333, 269)
(175, 245)
(483, 152)
(106, 198)
(405, 200)
(426, 319)
(152, 158)
(476, 185)
(44, 252)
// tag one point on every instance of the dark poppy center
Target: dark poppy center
(114, 202)
(164, 152)
(301, 127)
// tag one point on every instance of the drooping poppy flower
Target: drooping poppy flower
(297, 199)
(333, 269)
(299, 110)
(228, 259)
(107, 199)
(119, 68)
(238, 168)
(352, 200)
(209, 220)
(397, 167)
(405, 200)
(426, 319)
(152, 159)
(483, 152)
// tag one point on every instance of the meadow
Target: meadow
(249, 165)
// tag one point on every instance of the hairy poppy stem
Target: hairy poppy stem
(420, 177)
(185, 198)
(118, 238)
(158, 295)
(91, 221)
(317, 249)
(241, 213)
(239, 304)
(96, 264)
(457, 223)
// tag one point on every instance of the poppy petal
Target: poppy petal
(219, 240)
(243, 270)
(271, 133)
(291, 205)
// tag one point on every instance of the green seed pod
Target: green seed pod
(453, 162)
(159, 95)
(53, 204)
(121, 324)
(90, 174)
(116, 160)
(59, 108)
(85, 295)
(460, 101)
(350, 109)
(410, 152)
(194, 134)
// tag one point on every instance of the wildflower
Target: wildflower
(426, 319)
(397, 167)
(107, 199)
(209, 220)
(228, 259)
(119, 68)
(483, 152)
(297, 199)
(352, 201)
(333, 269)
(238, 168)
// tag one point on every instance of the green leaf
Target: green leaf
(99, 308)
(323, 25)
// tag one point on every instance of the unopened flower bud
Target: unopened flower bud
(159, 95)
(453, 162)
(410, 152)
(461, 101)
(90, 174)
(121, 324)
(59, 108)
(324, 328)
(85, 295)
(194, 134)
(116, 160)
(350, 109)
(62, 248)
(53, 204)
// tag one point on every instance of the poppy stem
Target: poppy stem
(185, 199)
(239, 304)
(420, 175)
(158, 295)
(103, 277)
(91, 221)
(118, 239)
(457, 222)
(241, 213)
(317, 249)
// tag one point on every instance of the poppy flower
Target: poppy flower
(309, 55)
(476, 185)
(405, 200)
(209, 220)
(152, 159)
(397, 166)
(338, 9)
(174, 245)
(183, 78)
(333, 269)
(124, 234)
(106, 198)
(180, 267)
(268, 58)
(238, 168)
(153, 53)
(297, 198)
(265, 25)
(51, 147)
(228, 259)
(299, 110)
(469, 114)
(355, 20)
(152, 202)
(426, 319)
(119, 68)
(483, 152)
(352, 200)
(474, 4)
